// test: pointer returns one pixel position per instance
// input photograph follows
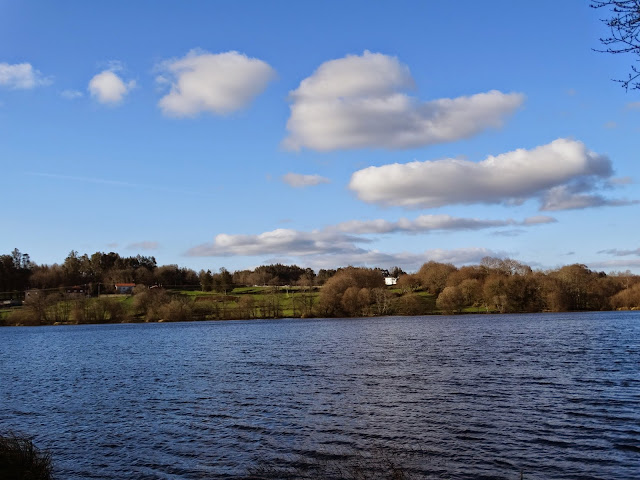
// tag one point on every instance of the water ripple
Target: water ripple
(553, 396)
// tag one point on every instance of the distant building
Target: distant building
(11, 303)
(32, 295)
(76, 291)
(126, 288)
(390, 280)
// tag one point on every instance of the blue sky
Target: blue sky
(234, 134)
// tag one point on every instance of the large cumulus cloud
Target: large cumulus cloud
(360, 102)
(563, 174)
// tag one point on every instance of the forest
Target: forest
(83, 290)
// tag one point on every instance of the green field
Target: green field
(166, 305)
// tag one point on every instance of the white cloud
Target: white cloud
(71, 94)
(343, 237)
(633, 106)
(342, 244)
(217, 83)
(405, 260)
(298, 180)
(146, 245)
(430, 223)
(610, 125)
(508, 233)
(621, 253)
(617, 264)
(21, 76)
(358, 102)
(323, 249)
(538, 220)
(562, 174)
(569, 197)
(108, 88)
(279, 241)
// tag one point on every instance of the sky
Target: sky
(323, 134)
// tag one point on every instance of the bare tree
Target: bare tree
(624, 27)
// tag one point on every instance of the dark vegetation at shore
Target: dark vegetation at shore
(20, 459)
(82, 290)
(379, 465)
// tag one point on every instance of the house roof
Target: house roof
(125, 284)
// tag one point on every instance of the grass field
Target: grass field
(182, 305)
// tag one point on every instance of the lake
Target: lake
(470, 396)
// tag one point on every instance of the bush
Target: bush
(145, 300)
(22, 316)
(411, 304)
(205, 310)
(177, 310)
(450, 300)
(628, 298)
(20, 459)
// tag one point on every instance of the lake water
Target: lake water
(556, 396)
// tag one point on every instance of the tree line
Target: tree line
(493, 286)
(19, 273)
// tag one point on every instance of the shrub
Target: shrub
(20, 459)
(450, 300)
(177, 310)
(22, 316)
(411, 304)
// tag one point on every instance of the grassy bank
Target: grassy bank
(166, 305)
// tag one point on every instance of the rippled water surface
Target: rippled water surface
(551, 395)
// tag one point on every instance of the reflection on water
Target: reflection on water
(555, 396)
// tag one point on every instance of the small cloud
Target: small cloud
(109, 88)
(21, 76)
(610, 125)
(568, 254)
(431, 223)
(298, 180)
(279, 241)
(571, 92)
(539, 220)
(114, 65)
(621, 253)
(620, 181)
(633, 106)
(71, 94)
(617, 264)
(216, 83)
(570, 197)
(112, 245)
(146, 245)
(509, 233)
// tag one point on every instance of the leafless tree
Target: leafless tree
(624, 27)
